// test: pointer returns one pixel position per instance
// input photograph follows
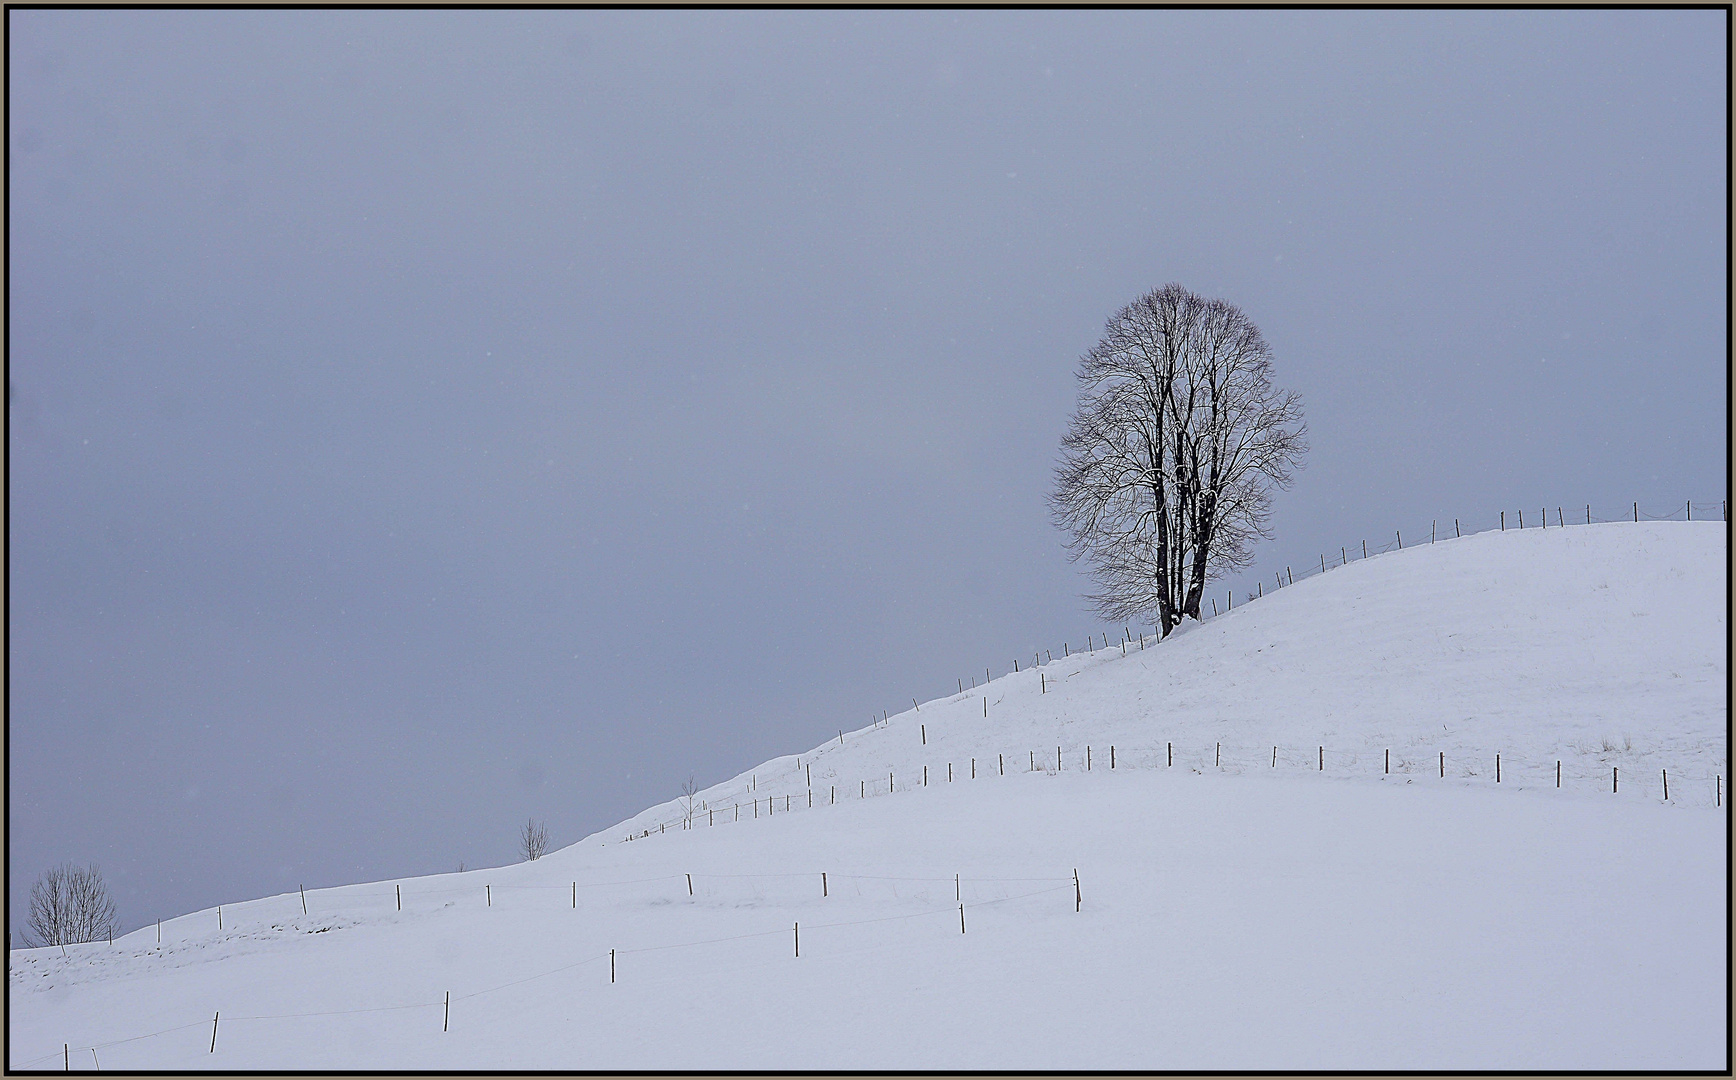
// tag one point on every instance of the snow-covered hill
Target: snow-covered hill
(1301, 888)
(1602, 647)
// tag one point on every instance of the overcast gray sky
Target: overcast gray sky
(419, 421)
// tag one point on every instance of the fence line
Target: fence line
(391, 895)
(1225, 756)
(1071, 884)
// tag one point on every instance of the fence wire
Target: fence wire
(1689, 787)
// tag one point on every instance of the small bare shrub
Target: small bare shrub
(70, 904)
(533, 840)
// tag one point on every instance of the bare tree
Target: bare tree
(533, 840)
(1168, 467)
(70, 904)
(689, 797)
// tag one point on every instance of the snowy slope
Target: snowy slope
(1601, 646)
(1232, 916)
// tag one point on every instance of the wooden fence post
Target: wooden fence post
(1112, 755)
(303, 899)
(1078, 897)
(214, 1017)
(611, 966)
(1169, 753)
(446, 1017)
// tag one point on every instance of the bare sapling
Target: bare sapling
(533, 840)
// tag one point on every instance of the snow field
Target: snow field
(1235, 915)
(1224, 924)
